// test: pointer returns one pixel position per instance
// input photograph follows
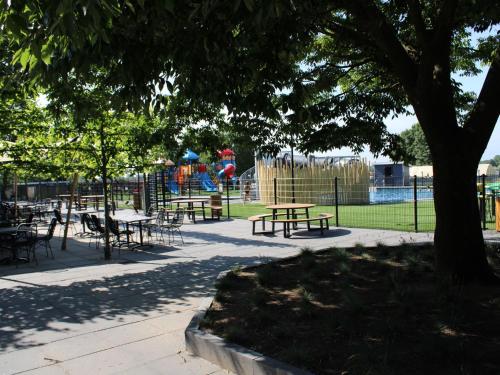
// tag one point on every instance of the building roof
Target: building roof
(422, 171)
(487, 169)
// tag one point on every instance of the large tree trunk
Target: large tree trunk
(456, 151)
(460, 251)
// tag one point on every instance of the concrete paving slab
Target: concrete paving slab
(79, 314)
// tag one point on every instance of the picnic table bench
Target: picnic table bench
(262, 218)
(322, 218)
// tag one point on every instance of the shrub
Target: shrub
(227, 282)
(259, 297)
(266, 275)
(307, 258)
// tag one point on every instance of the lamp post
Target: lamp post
(293, 173)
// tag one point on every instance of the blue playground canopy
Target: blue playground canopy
(190, 155)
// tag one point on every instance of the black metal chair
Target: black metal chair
(83, 221)
(157, 225)
(30, 218)
(98, 227)
(59, 218)
(175, 224)
(95, 231)
(114, 229)
(45, 240)
(150, 211)
(25, 238)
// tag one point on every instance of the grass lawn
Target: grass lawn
(395, 216)
(361, 311)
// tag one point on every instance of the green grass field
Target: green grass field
(395, 216)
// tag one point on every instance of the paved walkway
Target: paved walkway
(79, 314)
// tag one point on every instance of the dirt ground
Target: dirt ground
(361, 311)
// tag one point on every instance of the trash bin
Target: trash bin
(497, 213)
(215, 200)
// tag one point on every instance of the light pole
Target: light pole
(293, 172)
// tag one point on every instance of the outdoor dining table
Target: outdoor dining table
(290, 210)
(8, 238)
(130, 217)
(191, 205)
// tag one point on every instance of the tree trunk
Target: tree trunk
(459, 243)
(456, 150)
(104, 161)
(70, 205)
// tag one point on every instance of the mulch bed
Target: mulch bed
(361, 311)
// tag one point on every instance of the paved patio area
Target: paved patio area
(79, 314)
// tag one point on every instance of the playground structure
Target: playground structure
(191, 175)
(320, 181)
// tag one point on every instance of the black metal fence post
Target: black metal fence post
(415, 202)
(156, 189)
(227, 193)
(163, 187)
(275, 188)
(336, 201)
(483, 200)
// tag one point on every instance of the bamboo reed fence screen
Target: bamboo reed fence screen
(313, 183)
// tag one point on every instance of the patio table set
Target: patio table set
(156, 224)
(131, 229)
(13, 213)
(25, 239)
(290, 215)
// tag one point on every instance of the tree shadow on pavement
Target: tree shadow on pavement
(29, 308)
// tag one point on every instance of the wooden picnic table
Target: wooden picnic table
(191, 206)
(290, 209)
(96, 198)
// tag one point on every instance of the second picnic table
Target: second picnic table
(290, 209)
(96, 198)
(191, 206)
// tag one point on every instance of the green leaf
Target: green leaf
(236, 5)
(130, 5)
(46, 54)
(17, 56)
(249, 4)
(170, 5)
(25, 58)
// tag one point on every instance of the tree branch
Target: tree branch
(444, 24)
(386, 39)
(415, 15)
(359, 39)
(484, 115)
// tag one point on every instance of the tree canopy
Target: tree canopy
(319, 74)
(415, 145)
(333, 67)
(494, 162)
